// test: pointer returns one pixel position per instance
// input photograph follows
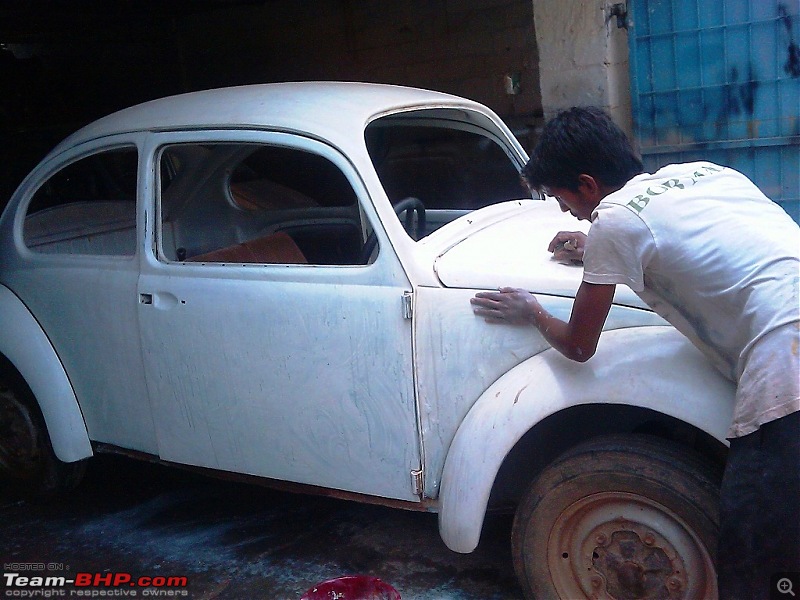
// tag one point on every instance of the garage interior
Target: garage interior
(66, 63)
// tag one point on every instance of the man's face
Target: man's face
(576, 202)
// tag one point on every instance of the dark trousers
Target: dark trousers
(760, 510)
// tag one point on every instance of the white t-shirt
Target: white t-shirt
(702, 246)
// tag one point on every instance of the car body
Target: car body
(274, 281)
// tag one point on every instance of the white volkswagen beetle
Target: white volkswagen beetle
(274, 281)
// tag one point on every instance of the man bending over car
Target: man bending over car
(706, 250)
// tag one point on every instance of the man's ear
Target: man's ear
(593, 189)
(590, 187)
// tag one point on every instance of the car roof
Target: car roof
(330, 110)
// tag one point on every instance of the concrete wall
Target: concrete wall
(583, 58)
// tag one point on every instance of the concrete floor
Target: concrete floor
(239, 542)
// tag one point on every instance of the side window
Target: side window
(88, 207)
(445, 167)
(249, 203)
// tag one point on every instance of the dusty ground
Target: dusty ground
(239, 542)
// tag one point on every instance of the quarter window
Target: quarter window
(87, 207)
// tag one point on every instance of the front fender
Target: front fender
(649, 367)
(24, 343)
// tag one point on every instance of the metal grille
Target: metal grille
(719, 80)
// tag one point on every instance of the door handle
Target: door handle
(159, 300)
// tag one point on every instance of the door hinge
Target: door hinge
(416, 482)
(408, 305)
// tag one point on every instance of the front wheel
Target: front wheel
(620, 517)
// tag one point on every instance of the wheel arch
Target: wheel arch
(532, 403)
(26, 356)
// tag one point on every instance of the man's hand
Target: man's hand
(575, 339)
(508, 305)
(568, 246)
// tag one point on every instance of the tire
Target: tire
(622, 517)
(28, 466)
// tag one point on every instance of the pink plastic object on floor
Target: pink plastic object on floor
(352, 587)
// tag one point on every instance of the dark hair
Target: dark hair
(581, 140)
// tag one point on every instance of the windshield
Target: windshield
(447, 160)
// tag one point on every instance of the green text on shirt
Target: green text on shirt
(639, 202)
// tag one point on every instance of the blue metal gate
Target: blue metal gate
(719, 80)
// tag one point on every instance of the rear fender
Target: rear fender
(24, 343)
(649, 367)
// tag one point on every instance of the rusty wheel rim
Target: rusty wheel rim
(621, 545)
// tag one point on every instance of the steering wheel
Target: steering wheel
(408, 205)
(411, 205)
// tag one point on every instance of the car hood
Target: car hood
(511, 251)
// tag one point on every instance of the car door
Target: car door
(272, 346)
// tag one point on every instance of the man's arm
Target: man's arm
(576, 339)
